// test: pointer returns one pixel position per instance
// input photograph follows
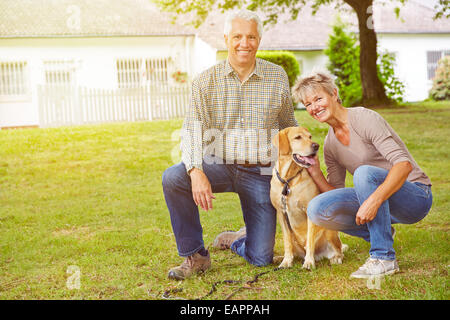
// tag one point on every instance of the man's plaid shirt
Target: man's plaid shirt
(235, 121)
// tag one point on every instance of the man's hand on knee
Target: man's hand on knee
(201, 189)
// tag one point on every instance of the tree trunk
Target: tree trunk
(373, 90)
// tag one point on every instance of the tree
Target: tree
(343, 56)
(373, 89)
(442, 9)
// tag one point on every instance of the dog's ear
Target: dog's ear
(281, 141)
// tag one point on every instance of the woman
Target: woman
(389, 186)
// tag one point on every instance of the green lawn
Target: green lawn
(91, 197)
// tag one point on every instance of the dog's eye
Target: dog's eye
(298, 137)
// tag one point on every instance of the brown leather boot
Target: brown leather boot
(191, 265)
(225, 239)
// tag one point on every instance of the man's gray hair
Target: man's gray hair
(242, 14)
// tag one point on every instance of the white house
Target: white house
(68, 62)
(96, 45)
(417, 41)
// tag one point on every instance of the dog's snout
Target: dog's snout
(315, 146)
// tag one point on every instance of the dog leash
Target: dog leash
(169, 294)
(284, 193)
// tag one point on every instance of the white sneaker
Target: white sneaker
(376, 267)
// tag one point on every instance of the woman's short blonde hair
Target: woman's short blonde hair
(313, 82)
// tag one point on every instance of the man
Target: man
(235, 108)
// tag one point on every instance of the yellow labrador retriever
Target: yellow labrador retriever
(291, 190)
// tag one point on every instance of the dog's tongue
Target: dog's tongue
(309, 160)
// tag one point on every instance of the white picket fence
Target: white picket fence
(70, 105)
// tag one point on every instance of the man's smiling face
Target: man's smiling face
(242, 42)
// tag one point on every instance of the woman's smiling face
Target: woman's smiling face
(320, 104)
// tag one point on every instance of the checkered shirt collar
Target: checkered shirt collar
(257, 71)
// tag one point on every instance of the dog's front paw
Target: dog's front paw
(337, 259)
(277, 259)
(309, 264)
(286, 263)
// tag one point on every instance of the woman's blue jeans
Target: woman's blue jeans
(254, 194)
(336, 209)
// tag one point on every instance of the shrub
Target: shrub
(284, 59)
(343, 54)
(441, 81)
(395, 89)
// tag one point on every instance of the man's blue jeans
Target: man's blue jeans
(336, 209)
(254, 193)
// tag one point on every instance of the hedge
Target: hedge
(285, 59)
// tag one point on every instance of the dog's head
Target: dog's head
(296, 142)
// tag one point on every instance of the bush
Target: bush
(284, 59)
(441, 81)
(395, 89)
(343, 53)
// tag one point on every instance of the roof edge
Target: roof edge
(95, 36)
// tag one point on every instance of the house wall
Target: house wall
(205, 56)
(95, 61)
(411, 58)
(311, 60)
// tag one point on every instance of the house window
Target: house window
(13, 78)
(433, 58)
(133, 73)
(157, 69)
(59, 72)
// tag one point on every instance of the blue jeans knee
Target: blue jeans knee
(259, 258)
(367, 174)
(174, 177)
(314, 211)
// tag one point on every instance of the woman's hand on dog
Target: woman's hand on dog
(201, 189)
(318, 177)
(314, 169)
